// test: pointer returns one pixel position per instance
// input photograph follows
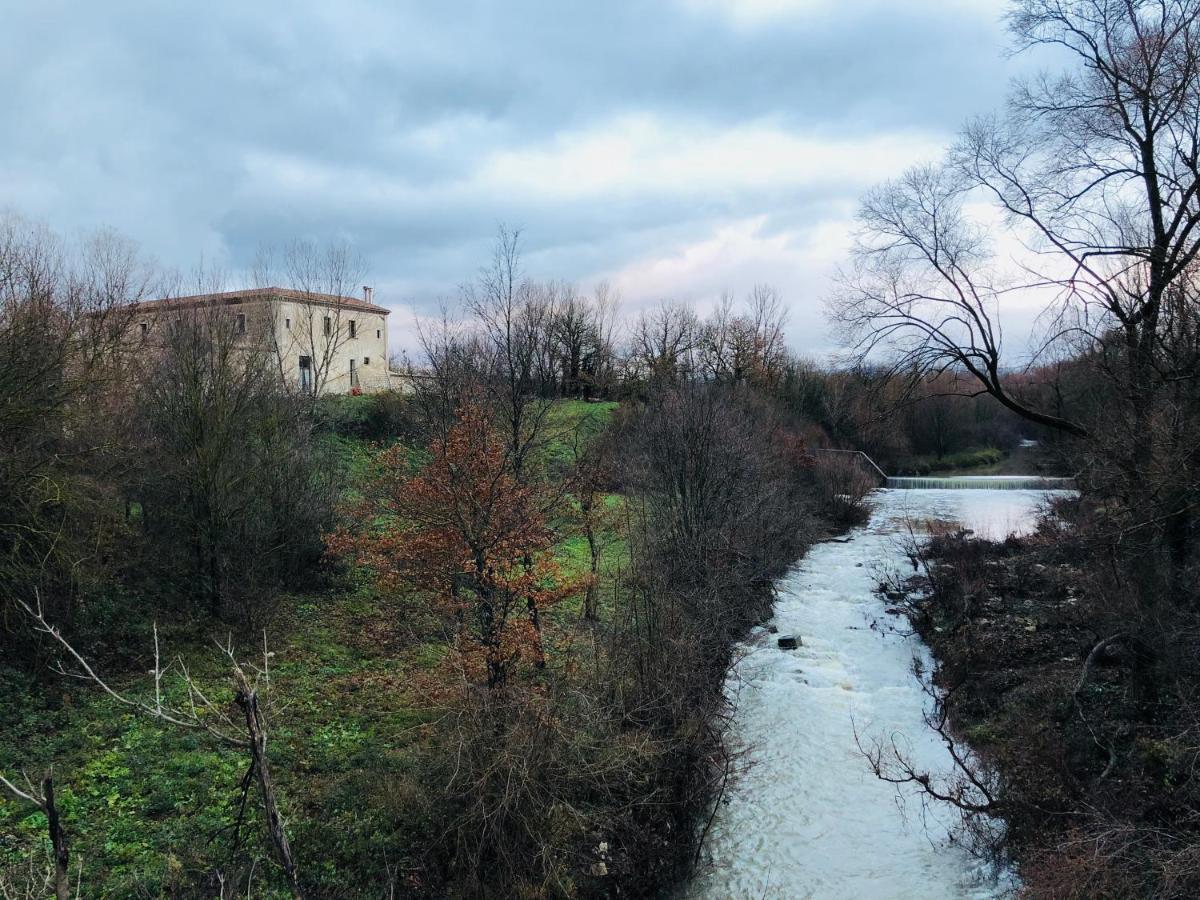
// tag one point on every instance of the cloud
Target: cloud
(713, 143)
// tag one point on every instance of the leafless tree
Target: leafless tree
(768, 316)
(745, 346)
(42, 797)
(234, 489)
(514, 323)
(593, 460)
(607, 302)
(1096, 170)
(64, 315)
(663, 342)
(324, 275)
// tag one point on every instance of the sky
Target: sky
(677, 149)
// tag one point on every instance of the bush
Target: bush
(965, 459)
(842, 483)
(373, 417)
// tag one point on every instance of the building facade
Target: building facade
(322, 343)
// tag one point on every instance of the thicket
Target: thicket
(472, 640)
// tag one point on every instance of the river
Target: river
(808, 819)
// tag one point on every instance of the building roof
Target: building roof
(255, 294)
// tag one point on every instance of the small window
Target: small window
(145, 329)
(287, 324)
(353, 329)
(306, 375)
(241, 323)
(378, 333)
(366, 360)
(328, 326)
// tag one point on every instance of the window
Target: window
(366, 360)
(306, 379)
(378, 333)
(144, 328)
(328, 326)
(287, 324)
(353, 329)
(241, 323)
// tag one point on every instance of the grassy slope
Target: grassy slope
(145, 806)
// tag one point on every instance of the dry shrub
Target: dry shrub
(1116, 860)
(537, 787)
(1081, 868)
(842, 484)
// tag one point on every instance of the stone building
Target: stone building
(323, 343)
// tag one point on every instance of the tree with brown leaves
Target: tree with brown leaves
(469, 533)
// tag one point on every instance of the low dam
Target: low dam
(980, 483)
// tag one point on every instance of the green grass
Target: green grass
(148, 808)
(145, 804)
(979, 461)
(566, 419)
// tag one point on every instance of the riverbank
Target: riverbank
(1092, 748)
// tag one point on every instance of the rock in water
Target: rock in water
(789, 642)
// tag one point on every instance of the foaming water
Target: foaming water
(982, 483)
(808, 819)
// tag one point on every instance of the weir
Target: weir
(981, 483)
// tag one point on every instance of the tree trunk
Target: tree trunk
(58, 839)
(247, 699)
(589, 598)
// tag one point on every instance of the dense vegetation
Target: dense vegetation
(470, 640)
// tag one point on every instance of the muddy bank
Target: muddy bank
(1090, 732)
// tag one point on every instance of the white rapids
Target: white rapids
(808, 819)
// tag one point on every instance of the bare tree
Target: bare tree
(768, 316)
(324, 275)
(514, 321)
(593, 461)
(664, 341)
(575, 338)
(1096, 169)
(64, 314)
(745, 346)
(607, 301)
(234, 489)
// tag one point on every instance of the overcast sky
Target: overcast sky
(678, 148)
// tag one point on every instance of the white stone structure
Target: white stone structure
(324, 344)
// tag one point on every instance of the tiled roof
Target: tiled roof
(267, 293)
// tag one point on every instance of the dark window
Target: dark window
(328, 326)
(366, 360)
(353, 329)
(145, 328)
(378, 333)
(287, 323)
(241, 323)
(306, 381)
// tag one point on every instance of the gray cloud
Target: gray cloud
(411, 129)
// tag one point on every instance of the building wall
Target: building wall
(300, 332)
